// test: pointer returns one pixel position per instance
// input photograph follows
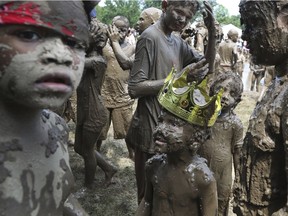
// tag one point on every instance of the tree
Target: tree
(128, 8)
(222, 16)
(152, 3)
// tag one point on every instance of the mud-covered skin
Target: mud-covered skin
(36, 177)
(228, 52)
(53, 15)
(261, 189)
(178, 182)
(176, 190)
(263, 178)
(226, 139)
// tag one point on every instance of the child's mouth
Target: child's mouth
(55, 83)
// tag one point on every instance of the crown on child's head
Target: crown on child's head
(190, 101)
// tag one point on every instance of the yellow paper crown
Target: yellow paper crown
(190, 101)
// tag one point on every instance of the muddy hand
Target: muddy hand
(113, 33)
(208, 16)
(209, 21)
(94, 30)
(197, 71)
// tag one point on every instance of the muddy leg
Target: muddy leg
(84, 145)
(98, 145)
(108, 168)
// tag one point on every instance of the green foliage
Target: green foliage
(223, 17)
(132, 9)
(128, 8)
(152, 3)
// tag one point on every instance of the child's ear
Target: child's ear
(164, 5)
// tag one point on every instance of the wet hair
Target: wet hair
(122, 18)
(232, 32)
(185, 3)
(237, 81)
(198, 135)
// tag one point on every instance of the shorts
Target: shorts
(121, 118)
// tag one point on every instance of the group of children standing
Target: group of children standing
(42, 49)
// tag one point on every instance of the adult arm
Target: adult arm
(140, 82)
(209, 21)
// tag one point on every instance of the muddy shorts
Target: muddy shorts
(121, 118)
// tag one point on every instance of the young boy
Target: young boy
(115, 89)
(91, 112)
(179, 182)
(42, 53)
(225, 142)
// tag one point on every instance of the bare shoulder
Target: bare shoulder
(55, 125)
(200, 172)
(155, 163)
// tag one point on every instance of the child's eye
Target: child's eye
(75, 44)
(29, 36)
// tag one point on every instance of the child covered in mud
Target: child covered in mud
(42, 54)
(178, 181)
(91, 112)
(224, 145)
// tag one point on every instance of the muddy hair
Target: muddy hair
(185, 3)
(122, 18)
(197, 137)
(238, 84)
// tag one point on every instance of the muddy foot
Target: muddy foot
(108, 176)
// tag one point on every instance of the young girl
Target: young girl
(224, 145)
(42, 50)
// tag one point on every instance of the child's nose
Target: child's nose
(57, 52)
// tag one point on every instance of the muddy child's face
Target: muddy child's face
(168, 134)
(122, 29)
(229, 95)
(39, 68)
(177, 17)
(265, 32)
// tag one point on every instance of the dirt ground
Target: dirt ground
(119, 199)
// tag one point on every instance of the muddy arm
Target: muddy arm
(146, 88)
(124, 61)
(209, 198)
(145, 207)
(73, 208)
(209, 21)
(237, 144)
